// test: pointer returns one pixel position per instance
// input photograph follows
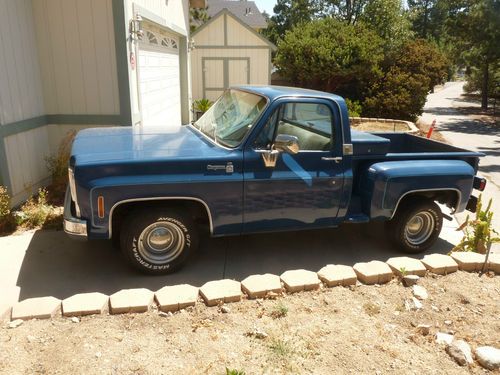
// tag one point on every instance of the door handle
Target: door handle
(336, 159)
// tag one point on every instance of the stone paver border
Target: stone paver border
(213, 293)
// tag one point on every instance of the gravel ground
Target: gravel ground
(359, 330)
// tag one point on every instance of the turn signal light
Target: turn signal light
(100, 206)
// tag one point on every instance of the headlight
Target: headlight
(72, 189)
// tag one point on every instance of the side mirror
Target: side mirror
(287, 143)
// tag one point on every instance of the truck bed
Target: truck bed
(404, 146)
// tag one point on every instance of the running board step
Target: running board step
(355, 219)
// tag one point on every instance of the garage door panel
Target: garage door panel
(159, 83)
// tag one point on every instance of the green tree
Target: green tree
(287, 14)
(197, 17)
(328, 54)
(344, 10)
(474, 29)
(389, 20)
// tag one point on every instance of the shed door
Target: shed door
(159, 78)
(224, 72)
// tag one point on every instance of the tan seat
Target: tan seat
(308, 140)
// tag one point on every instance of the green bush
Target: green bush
(329, 54)
(4, 203)
(354, 107)
(479, 233)
(408, 77)
(58, 164)
(35, 212)
(398, 95)
(202, 105)
(7, 223)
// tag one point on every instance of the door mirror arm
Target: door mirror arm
(283, 143)
(286, 143)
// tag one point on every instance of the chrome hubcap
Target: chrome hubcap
(419, 228)
(161, 242)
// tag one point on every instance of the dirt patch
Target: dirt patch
(365, 329)
(423, 129)
(380, 127)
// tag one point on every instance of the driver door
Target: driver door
(301, 190)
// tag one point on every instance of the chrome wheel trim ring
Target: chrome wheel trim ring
(161, 242)
(420, 228)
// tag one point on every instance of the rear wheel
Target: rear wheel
(416, 225)
(158, 241)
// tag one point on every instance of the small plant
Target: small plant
(58, 167)
(6, 219)
(234, 372)
(371, 309)
(202, 105)
(280, 348)
(35, 212)
(403, 271)
(279, 311)
(479, 234)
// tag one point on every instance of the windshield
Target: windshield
(231, 117)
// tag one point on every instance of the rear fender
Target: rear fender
(385, 185)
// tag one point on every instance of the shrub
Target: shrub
(35, 212)
(6, 220)
(479, 233)
(328, 54)
(398, 95)
(354, 107)
(4, 202)
(58, 167)
(202, 105)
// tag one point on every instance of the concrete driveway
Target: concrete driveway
(48, 263)
(459, 121)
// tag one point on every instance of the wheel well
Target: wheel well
(197, 210)
(450, 198)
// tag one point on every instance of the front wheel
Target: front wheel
(416, 225)
(158, 241)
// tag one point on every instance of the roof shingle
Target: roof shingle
(245, 10)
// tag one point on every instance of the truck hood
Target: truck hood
(137, 145)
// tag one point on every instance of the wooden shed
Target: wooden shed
(228, 52)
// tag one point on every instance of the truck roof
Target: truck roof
(275, 92)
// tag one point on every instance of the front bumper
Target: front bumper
(74, 227)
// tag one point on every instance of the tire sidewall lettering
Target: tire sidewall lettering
(142, 262)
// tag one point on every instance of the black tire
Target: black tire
(158, 241)
(416, 225)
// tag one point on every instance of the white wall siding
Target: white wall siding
(26, 155)
(175, 13)
(77, 56)
(20, 82)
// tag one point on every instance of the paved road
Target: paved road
(457, 120)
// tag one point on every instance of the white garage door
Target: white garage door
(159, 78)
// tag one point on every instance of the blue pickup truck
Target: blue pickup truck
(261, 159)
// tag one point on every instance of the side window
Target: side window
(265, 137)
(311, 123)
